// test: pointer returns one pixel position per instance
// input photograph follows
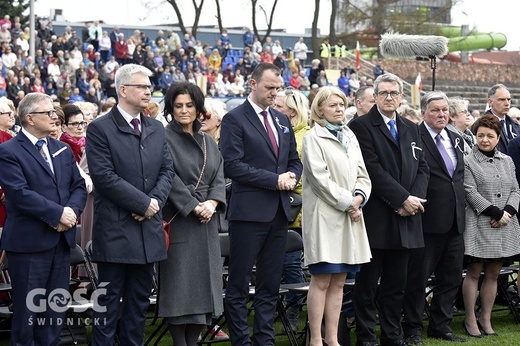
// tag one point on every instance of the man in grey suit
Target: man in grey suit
(132, 171)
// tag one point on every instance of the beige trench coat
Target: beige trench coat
(331, 179)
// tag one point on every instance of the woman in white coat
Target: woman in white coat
(336, 185)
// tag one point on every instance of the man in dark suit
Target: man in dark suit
(391, 147)
(259, 151)
(499, 101)
(443, 226)
(132, 171)
(45, 194)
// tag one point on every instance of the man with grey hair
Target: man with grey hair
(45, 195)
(132, 171)
(499, 101)
(391, 147)
(443, 224)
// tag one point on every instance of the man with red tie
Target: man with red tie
(259, 151)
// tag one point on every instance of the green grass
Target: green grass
(503, 324)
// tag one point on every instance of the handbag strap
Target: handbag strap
(204, 162)
(201, 171)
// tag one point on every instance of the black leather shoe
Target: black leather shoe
(367, 343)
(394, 343)
(414, 340)
(447, 336)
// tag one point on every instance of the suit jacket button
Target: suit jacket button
(499, 195)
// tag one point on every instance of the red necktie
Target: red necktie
(270, 132)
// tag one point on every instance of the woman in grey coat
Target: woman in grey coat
(492, 233)
(190, 280)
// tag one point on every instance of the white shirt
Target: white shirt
(446, 142)
(45, 149)
(261, 117)
(129, 118)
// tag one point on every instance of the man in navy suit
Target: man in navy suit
(45, 194)
(499, 101)
(391, 147)
(132, 171)
(443, 224)
(259, 151)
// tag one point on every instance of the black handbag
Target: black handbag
(296, 206)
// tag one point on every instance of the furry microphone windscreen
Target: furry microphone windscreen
(411, 46)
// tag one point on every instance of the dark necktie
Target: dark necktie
(270, 132)
(442, 150)
(135, 124)
(507, 135)
(393, 130)
(39, 145)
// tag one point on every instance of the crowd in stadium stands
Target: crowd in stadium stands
(80, 66)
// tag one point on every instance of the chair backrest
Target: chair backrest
(294, 241)
(78, 234)
(76, 256)
(224, 244)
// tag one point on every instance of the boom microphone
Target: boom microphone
(411, 46)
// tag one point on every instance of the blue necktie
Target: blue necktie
(442, 150)
(39, 145)
(393, 130)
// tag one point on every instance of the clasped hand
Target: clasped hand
(286, 181)
(411, 206)
(502, 222)
(205, 210)
(153, 209)
(354, 211)
(68, 220)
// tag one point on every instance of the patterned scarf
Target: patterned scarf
(337, 131)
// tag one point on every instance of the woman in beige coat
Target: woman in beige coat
(336, 185)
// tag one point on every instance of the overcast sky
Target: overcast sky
(295, 15)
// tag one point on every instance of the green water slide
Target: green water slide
(475, 40)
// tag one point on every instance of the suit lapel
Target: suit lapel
(377, 120)
(432, 148)
(56, 160)
(255, 120)
(31, 149)
(458, 145)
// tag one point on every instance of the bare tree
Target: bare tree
(219, 16)
(196, 7)
(332, 23)
(268, 21)
(314, 30)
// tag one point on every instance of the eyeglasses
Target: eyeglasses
(78, 124)
(143, 87)
(48, 113)
(384, 94)
(10, 114)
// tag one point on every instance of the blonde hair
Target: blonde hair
(298, 102)
(216, 108)
(154, 108)
(321, 97)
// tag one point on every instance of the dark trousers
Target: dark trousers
(39, 274)
(443, 256)
(392, 267)
(263, 243)
(133, 282)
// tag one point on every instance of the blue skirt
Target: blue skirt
(333, 268)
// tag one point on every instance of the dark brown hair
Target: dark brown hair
(490, 121)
